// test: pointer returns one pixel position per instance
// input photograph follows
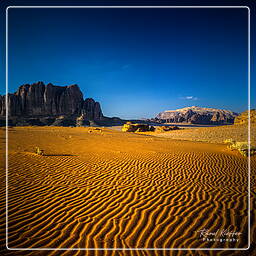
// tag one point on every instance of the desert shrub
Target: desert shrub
(39, 151)
(229, 141)
(241, 146)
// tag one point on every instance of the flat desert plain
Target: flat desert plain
(102, 188)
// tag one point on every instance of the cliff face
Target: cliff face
(243, 117)
(91, 109)
(197, 115)
(40, 100)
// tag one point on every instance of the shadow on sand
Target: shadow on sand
(59, 155)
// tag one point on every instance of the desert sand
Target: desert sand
(101, 188)
(215, 134)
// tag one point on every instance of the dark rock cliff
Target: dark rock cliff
(48, 102)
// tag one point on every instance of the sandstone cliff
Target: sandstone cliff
(197, 115)
(243, 117)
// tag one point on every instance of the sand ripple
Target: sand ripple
(126, 199)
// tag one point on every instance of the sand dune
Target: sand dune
(99, 188)
(215, 134)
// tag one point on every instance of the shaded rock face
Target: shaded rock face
(197, 115)
(91, 109)
(40, 100)
(82, 121)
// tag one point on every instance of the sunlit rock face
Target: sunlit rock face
(243, 118)
(197, 115)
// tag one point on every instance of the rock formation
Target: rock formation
(197, 115)
(165, 128)
(243, 117)
(130, 127)
(49, 104)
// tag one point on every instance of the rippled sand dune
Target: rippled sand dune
(99, 188)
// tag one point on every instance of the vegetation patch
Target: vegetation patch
(242, 147)
(39, 151)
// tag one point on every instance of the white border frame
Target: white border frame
(132, 249)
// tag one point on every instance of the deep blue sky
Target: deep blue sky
(135, 62)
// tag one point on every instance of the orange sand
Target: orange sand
(100, 188)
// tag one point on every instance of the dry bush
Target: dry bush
(241, 146)
(229, 141)
(39, 151)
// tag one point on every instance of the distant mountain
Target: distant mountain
(197, 115)
(243, 117)
(40, 104)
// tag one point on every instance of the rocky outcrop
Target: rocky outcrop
(40, 101)
(130, 127)
(243, 117)
(197, 115)
(166, 128)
